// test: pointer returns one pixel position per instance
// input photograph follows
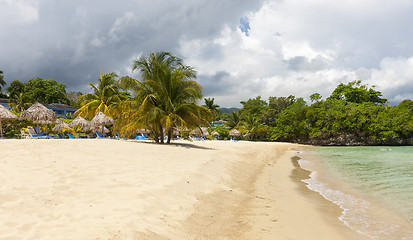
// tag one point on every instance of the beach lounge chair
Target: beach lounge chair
(97, 133)
(140, 137)
(34, 135)
(70, 136)
(24, 134)
(119, 136)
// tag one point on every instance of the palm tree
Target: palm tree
(104, 95)
(2, 82)
(252, 125)
(166, 97)
(20, 102)
(233, 120)
(209, 103)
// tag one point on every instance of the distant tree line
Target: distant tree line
(353, 114)
(41, 90)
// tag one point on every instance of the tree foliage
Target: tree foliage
(210, 104)
(103, 98)
(357, 93)
(46, 91)
(354, 114)
(164, 98)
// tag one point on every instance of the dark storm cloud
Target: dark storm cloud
(71, 41)
(216, 85)
(241, 49)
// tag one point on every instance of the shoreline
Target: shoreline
(361, 211)
(102, 188)
(300, 212)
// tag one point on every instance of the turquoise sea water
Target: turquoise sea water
(373, 186)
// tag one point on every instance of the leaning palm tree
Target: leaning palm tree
(165, 97)
(105, 94)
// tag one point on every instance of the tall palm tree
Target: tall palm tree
(166, 97)
(209, 103)
(2, 82)
(105, 94)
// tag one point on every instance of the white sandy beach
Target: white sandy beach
(111, 189)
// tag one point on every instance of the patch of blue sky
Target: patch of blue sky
(244, 25)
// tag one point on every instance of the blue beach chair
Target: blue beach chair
(97, 133)
(140, 137)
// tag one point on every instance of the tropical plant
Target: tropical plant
(233, 120)
(19, 102)
(214, 108)
(251, 125)
(15, 88)
(165, 97)
(105, 94)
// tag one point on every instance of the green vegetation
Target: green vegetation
(105, 95)
(164, 98)
(37, 90)
(353, 115)
(214, 108)
(164, 101)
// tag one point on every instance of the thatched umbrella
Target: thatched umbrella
(100, 120)
(234, 133)
(39, 114)
(247, 135)
(60, 126)
(215, 134)
(203, 131)
(5, 114)
(79, 121)
(98, 129)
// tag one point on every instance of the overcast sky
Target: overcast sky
(240, 48)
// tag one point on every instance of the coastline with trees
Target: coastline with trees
(167, 97)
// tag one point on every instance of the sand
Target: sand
(115, 189)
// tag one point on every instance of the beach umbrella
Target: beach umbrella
(39, 114)
(97, 129)
(100, 120)
(203, 131)
(234, 133)
(247, 135)
(215, 134)
(4, 115)
(60, 126)
(81, 122)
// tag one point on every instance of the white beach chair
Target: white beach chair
(24, 134)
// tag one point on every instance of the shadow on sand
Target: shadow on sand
(180, 144)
